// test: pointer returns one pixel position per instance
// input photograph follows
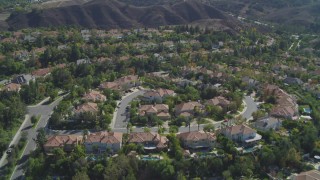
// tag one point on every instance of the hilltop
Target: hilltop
(109, 14)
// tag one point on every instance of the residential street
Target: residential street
(251, 107)
(45, 111)
(120, 115)
(119, 123)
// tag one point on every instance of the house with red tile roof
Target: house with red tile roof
(87, 107)
(103, 141)
(197, 139)
(12, 87)
(150, 140)
(158, 95)
(41, 72)
(121, 84)
(241, 133)
(187, 109)
(219, 101)
(94, 96)
(66, 142)
(286, 105)
(159, 110)
(308, 175)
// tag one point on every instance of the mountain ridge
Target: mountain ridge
(109, 14)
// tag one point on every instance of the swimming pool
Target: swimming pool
(150, 158)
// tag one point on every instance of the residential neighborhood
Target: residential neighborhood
(174, 102)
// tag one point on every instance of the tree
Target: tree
(34, 119)
(129, 128)
(41, 139)
(209, 128)
(145, 129)
(81, 175)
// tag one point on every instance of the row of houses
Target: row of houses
(111, 142)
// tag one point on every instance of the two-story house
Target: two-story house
(149, 140)
(121, 84)
(241, 133)
(219, 101)
(267, 123)
(66, 142)
(159, 110)
(157, 95)
(197, 139)
(103, 141)
(94, 96)
(188, 109)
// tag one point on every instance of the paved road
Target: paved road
(120, 119)
(251, 107)
(45, 111)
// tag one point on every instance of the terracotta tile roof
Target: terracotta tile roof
(159, 93)
(61, 140)
(141, 137)
(12, 87)
(283, 111)
(154, 109)
(94, 96)
(87, 107)
(309, 175)
(196, 136)
(239, 129)
(219, 101)
(104, 137)
(189, 106)
(41, 72)
(118, 83)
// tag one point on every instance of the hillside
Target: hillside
(297, 13)
(114, 14)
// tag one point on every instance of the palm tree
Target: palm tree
(200, 120)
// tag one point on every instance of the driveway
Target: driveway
(120, 119)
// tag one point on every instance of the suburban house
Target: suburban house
(219, 101)
(197, 139)
(87, 107)
(67, 142)
(103, 141)
(308, 175)
(159, 110)
(241, 133)
(267, 123)
(150, 140)
(157, 95)
(285, 112)
(12, 87)
(22, 55)
(94, 96)
(121, 84)
(249, 82)
(187, 109)
(22, 79)
(286, 105)
(41, 72)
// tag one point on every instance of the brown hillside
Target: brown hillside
(114, 14)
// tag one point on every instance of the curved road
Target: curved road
(120, 120)
(118, 124)
(251, 106)
(45, 112)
